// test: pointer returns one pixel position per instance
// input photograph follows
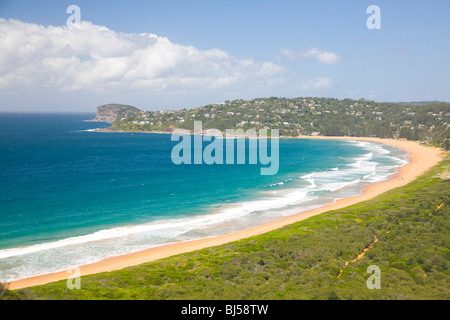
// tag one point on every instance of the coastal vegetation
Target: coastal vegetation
(113, 112)
(405, 232)
(6, 294)
(425, 122)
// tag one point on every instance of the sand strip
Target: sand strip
(421, 157)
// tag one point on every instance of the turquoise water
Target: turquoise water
(70, 196)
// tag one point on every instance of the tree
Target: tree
(5, 294)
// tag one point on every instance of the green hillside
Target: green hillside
(429, 123)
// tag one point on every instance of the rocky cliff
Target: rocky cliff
(111, 112)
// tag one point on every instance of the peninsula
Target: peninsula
(427, 123)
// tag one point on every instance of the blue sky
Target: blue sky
(210, 51)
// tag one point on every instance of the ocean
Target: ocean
(71, 196)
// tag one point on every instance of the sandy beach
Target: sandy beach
(421, 157)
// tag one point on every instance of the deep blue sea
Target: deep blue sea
(71, 196)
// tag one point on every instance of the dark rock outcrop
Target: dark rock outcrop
(111, 112)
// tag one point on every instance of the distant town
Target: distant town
(428, 122)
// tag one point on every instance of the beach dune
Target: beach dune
(421, 158)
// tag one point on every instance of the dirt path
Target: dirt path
(358, 257)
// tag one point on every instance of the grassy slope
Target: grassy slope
(302, 261)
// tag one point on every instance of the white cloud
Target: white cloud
(317, 83)
(95, 59)
(321, 56)
(326, 57)
(98, 58)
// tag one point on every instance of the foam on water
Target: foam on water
(289, 196)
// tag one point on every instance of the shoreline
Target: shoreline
(421, 159)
